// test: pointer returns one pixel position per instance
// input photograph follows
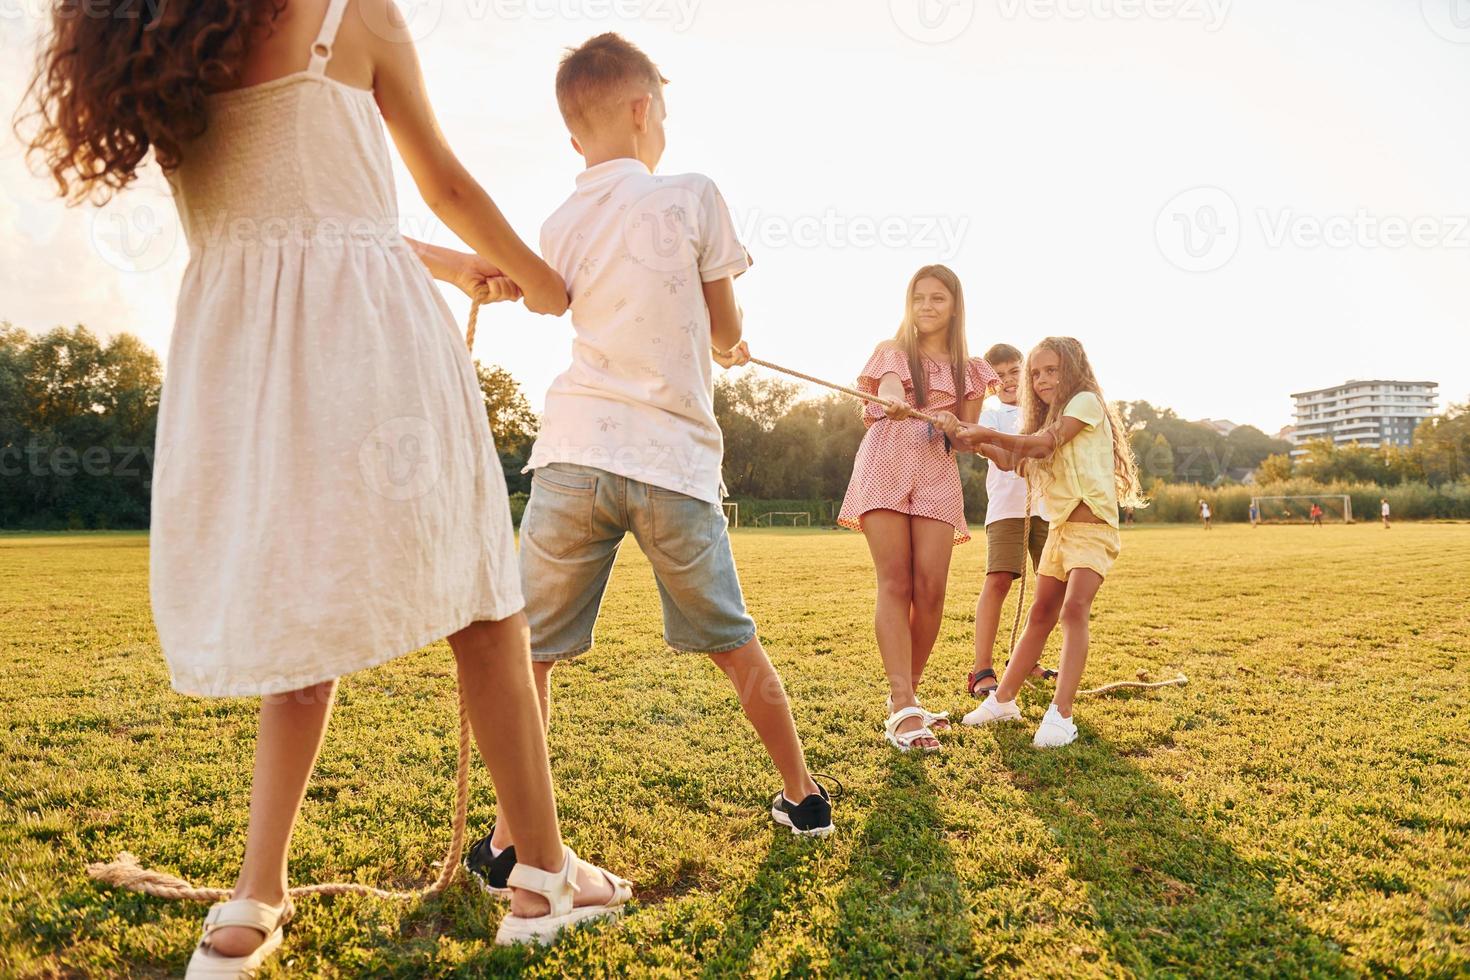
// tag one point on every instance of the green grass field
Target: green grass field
(1300, 809)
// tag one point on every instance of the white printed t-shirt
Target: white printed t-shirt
(1005, 492)
(638, 399)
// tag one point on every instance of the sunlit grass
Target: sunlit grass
(1299, 809)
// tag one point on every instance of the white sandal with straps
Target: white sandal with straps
(247, 913)
(930, 717)
(904, 741)
(560, 889)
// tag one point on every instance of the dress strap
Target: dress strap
(321, 49)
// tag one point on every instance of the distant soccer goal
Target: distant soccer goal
(1337, 508)
(797, 518)
(732, 512)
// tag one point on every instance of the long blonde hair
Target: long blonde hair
(1074, 374)
(907, 337)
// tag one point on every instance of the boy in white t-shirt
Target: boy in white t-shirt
(628, 440)
(1005, 525)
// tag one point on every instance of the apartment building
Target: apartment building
(1369, 413)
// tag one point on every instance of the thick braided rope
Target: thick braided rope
(913, 413)
(126, 872)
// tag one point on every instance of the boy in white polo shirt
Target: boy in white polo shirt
(1005, 525)
(628, 440)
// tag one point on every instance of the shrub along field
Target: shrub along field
(1299, 809)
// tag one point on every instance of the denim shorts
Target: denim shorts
(574, 522)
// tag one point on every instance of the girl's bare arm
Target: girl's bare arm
(447, 187)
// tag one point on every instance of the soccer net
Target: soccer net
(1337, 508)
(796, 518)
(732, 512)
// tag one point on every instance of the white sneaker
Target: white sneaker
(1055, 731)
(992, 710)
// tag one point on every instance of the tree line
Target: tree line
(77, 422)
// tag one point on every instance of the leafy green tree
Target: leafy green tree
(1276, 468)
(1442, 446)
(512, 423)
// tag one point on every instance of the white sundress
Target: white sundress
(326, 492)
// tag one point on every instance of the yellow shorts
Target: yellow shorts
(1073, 544)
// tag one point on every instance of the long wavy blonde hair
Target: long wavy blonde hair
(1074, 374)
(907, 337)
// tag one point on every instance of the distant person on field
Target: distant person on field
(1206, 515)
(1316, 514)
(905, 494)
(1255, 513)
(1128, 516)
(628, 440)
(1006, 544)
(1075, 448)
(1386, 512)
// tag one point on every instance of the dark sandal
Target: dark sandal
(976, 678)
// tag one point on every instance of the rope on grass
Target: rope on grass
(125, 872)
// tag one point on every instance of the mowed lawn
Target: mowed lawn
(1299, 809)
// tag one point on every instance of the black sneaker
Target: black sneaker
(812, 817)
(492, 873)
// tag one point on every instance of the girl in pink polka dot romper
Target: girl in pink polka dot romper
(905, 493)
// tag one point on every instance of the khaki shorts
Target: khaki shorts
(1073, 544)
(1004, 549)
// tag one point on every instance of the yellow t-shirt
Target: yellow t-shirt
(1082, 471)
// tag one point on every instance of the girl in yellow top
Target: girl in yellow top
(1073, 454)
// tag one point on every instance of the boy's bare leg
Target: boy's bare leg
(1045, 611)
(763, 697)
(987, 617)
(286, 747)
(1082, 586)
(541, 672)
(505, 714)
(932, 547)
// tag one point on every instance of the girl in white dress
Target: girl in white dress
(326, 495)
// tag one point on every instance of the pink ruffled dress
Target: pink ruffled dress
(903, 465)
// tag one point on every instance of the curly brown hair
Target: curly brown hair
(117, 78)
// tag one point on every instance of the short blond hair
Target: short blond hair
(592, 75)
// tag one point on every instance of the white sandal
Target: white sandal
(560, 889)
(904, 741)
(930, 717)
(268, 920)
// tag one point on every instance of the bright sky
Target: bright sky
(1225, 200)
